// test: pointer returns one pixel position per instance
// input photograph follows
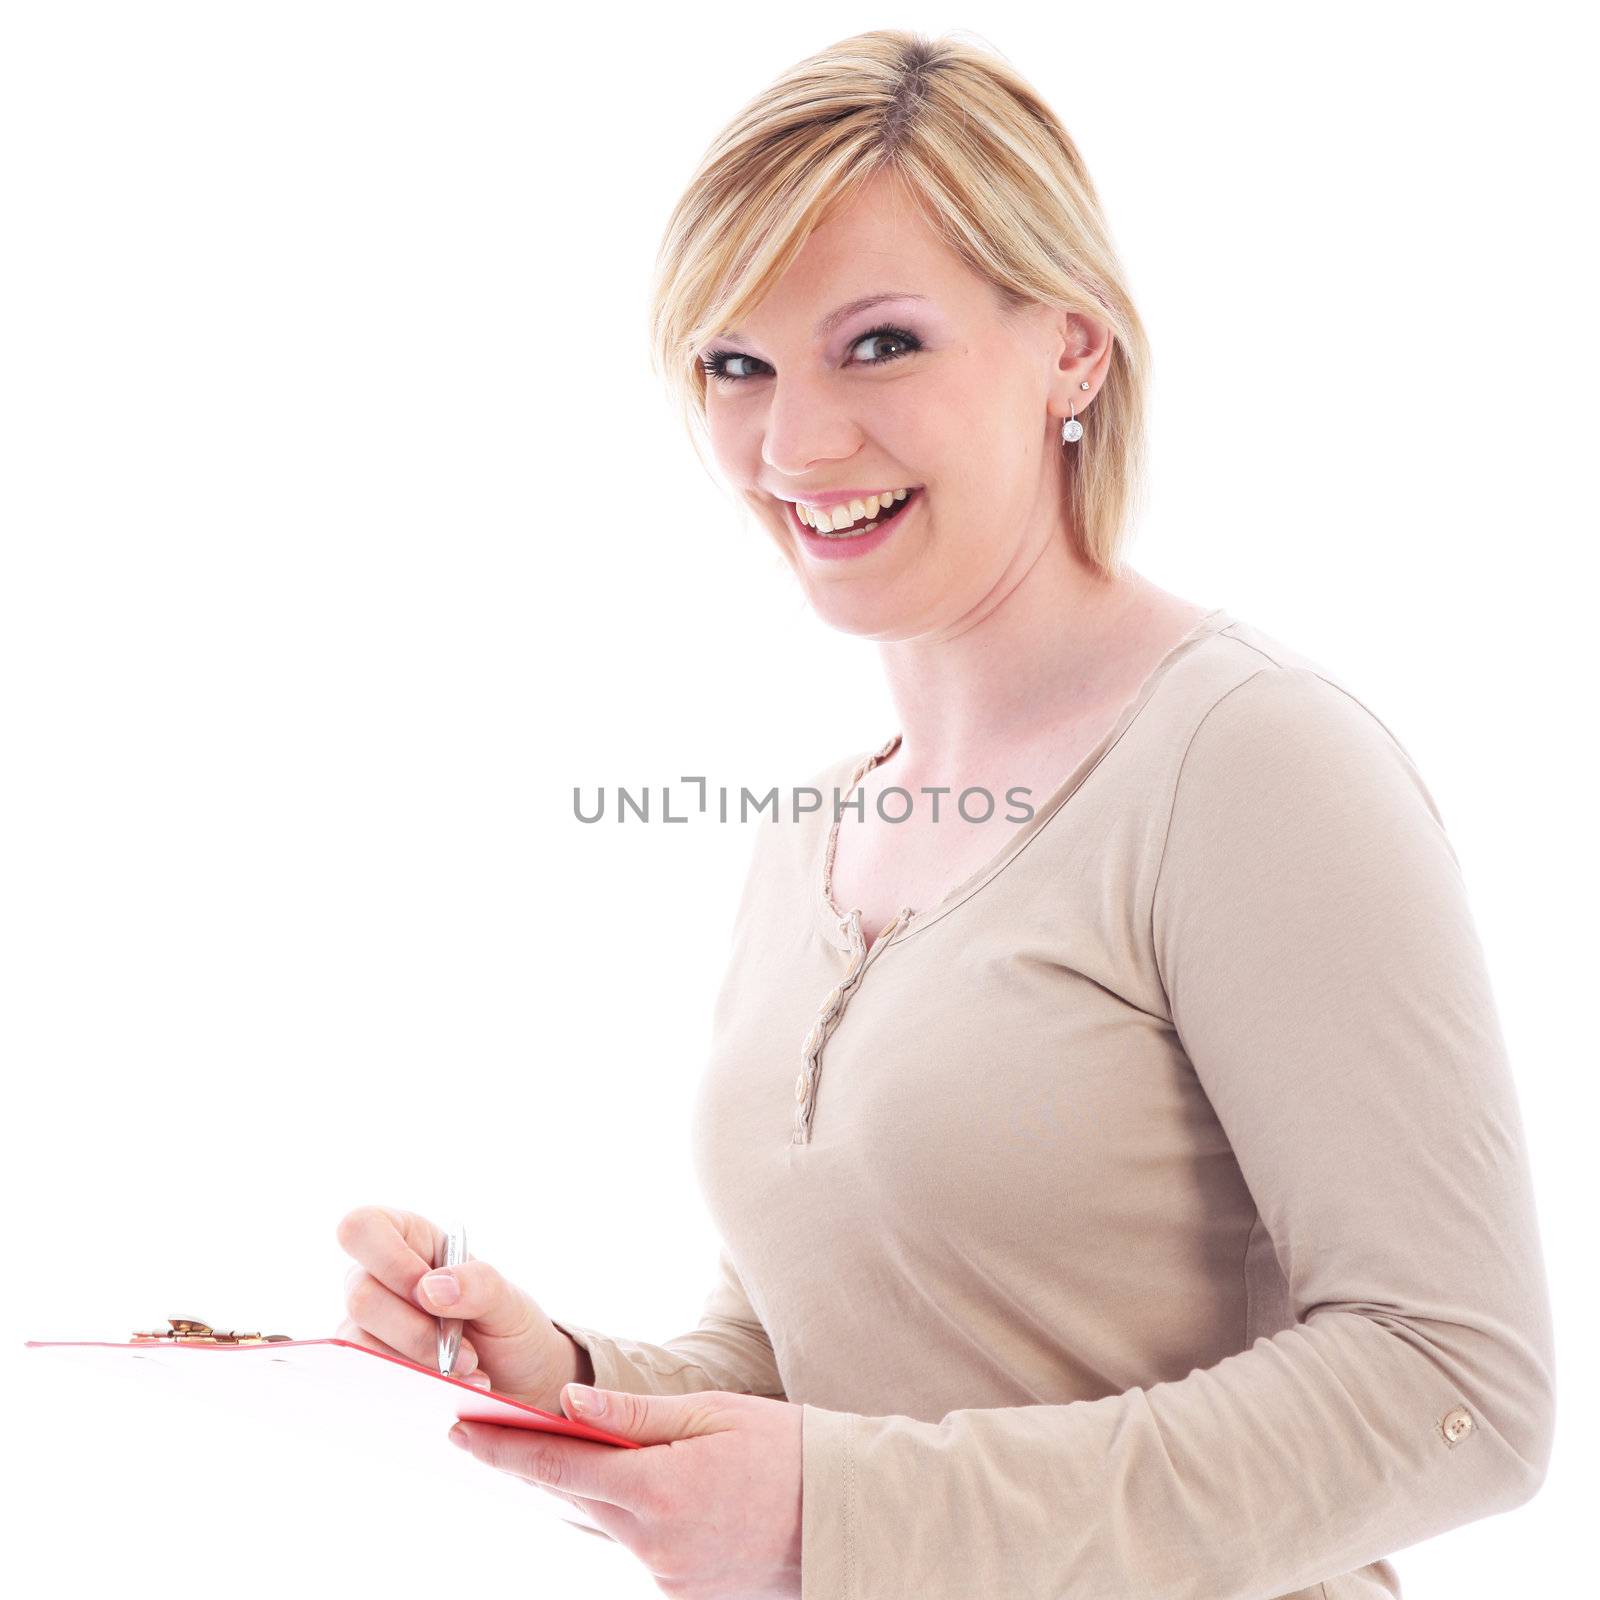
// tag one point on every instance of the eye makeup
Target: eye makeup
(715, 362)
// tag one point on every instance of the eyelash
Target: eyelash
(713, 363)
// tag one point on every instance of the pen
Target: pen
(452, 1252)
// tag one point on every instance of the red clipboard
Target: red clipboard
(366, 1379)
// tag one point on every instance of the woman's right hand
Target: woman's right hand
(504, 1336)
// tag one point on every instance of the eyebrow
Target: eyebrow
(845, 312)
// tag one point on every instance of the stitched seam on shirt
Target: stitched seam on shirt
(625, 1350)
(1244, 1272)
(850, 1506)
(654, 1366)
(1316, 672)
(930, 919)
(1172, 808)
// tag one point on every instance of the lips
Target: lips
(830, 549)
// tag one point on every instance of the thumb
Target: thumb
(475, 1292)
(644, 1418)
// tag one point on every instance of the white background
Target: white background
(346, 530)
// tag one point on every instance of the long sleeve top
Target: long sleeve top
(1151, 1216)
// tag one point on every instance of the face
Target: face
(936, 390)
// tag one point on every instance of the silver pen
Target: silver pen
(452, 1252)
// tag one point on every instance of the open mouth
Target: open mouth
(862, 528)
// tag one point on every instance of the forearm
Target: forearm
(700, 1359)
(729, 1350)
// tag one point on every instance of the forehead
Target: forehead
(839, 315)
(881, 228)
(873, 251)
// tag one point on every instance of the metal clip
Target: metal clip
(190, 1331)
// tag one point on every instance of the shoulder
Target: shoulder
(1253, 704)
(1292, 716)
(1279, 757)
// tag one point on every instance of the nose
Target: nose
(806, 428)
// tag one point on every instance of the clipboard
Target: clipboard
(257, 1373)
(244, 1366)
(365, 1390)
(368, 1391)
(340, 1365)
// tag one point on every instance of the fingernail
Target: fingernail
(458, 1435)
(441, 1288)
(589, 1401)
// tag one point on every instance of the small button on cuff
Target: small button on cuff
(1456, 1424)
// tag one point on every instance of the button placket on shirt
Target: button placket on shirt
(829, 1012)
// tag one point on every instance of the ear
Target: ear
(1083, 356)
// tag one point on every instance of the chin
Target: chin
(864, 609)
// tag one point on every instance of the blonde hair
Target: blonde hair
(983, 158)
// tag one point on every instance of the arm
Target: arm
(1325, 979)
(729, 1350)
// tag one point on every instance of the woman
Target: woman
(1121, 1196)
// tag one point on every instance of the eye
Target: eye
(899, 335)
(716, 364)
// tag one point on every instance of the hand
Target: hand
(506, 1339)
(711, 1505)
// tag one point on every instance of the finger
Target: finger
(398, 1249)
(352, 1334)
(496, 1307)
(395, 1247)
(408, 1331)
(401, 1329)
(605, 1517)
(583, 1527)
(565, 1465)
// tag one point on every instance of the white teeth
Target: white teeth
(844, 516)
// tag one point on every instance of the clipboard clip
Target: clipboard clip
(189, 1331)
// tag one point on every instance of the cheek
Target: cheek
(966, 553)
(731, 449)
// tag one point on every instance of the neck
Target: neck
(1032, 659)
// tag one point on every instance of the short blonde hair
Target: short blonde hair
(989, 165)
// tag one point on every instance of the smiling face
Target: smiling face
(935, 390)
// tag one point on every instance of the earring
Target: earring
(1071, 429)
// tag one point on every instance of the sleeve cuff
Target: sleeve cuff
(612, 1369)
(827, 1505)
(632, 1367)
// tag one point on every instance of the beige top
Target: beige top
(1151, 1216)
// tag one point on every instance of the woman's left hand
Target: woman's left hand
(711, 1505)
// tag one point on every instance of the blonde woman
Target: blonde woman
(1121, 1177)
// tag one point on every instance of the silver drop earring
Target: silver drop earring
(1072, 429)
